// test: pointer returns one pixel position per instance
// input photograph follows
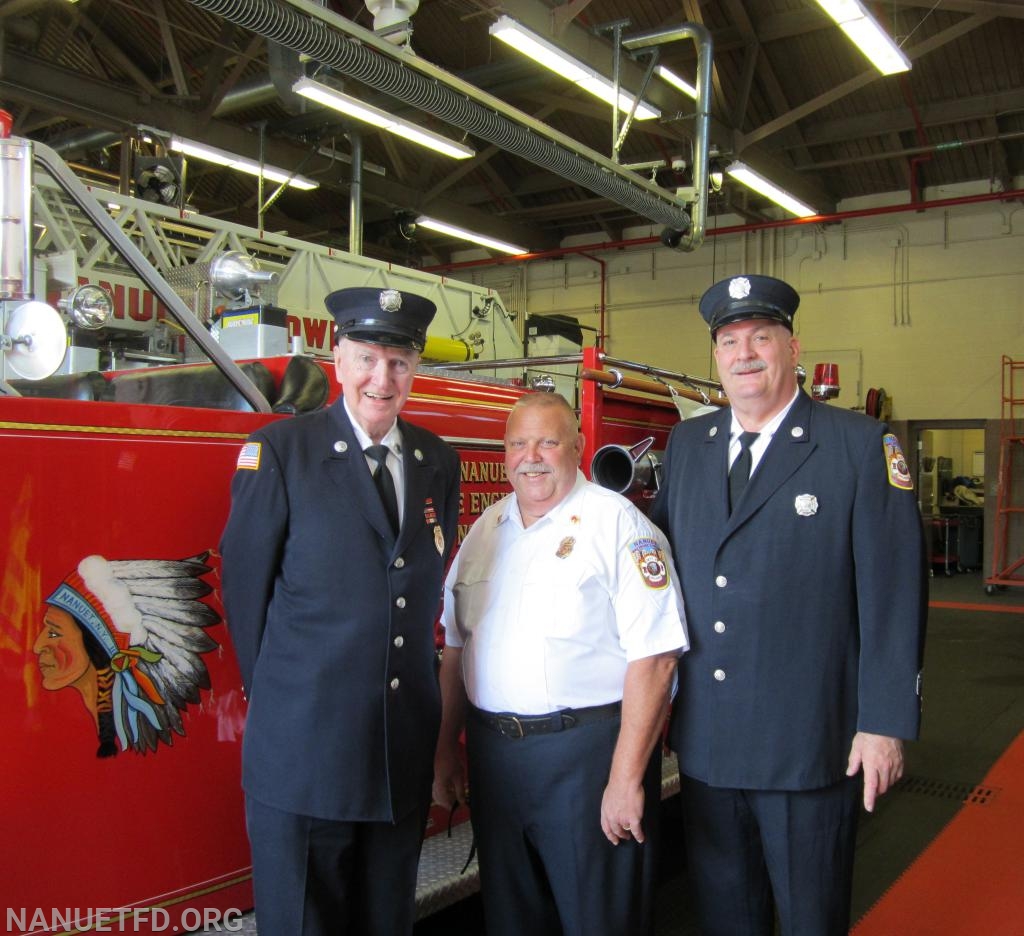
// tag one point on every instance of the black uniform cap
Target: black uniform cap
(381, 316)
(749, 297)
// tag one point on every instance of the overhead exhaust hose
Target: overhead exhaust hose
(309, 35)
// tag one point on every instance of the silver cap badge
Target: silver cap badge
(390, 300)
(739, 287)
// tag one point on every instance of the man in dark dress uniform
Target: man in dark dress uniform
(331, 595)
(806, 592)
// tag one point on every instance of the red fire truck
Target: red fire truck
(121, 795)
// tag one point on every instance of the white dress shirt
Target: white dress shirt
(393, 441)
(761, 442)
(550, 615)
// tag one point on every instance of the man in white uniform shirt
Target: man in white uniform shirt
(563, 626)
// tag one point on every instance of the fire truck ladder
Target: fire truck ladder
(1009, 508)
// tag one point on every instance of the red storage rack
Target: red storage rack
(1008, 541)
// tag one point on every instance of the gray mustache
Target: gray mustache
(748, 368)
(539, 468)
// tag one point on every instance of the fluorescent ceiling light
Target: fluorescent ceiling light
(550, 56)
(353, 107)
(251, 166)
(741, 172)
(673, 79)
(452, 231)
(865, 32)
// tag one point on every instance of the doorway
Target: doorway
(950, 471)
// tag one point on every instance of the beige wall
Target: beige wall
(921, 304)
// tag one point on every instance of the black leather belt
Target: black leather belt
(520, 726)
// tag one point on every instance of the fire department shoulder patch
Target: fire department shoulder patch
(249, 457)
(650, 561)
(896, 464)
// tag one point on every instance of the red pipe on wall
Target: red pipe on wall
(834, 218)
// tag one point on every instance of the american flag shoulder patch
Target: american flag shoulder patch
(249, 456)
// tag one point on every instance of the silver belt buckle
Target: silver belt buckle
(510, 726)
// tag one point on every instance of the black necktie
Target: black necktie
(739, 473)
(385, 482)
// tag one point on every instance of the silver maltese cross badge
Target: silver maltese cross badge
(806, 505)
(739, 287)
(390, 300)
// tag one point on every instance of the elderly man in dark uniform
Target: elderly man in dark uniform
(334, 553)
(801, 560)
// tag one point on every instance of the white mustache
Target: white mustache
(537, 468)
(748, 367)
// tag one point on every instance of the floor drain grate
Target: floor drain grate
(943, 789)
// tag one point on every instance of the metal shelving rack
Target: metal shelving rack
(1007, 541)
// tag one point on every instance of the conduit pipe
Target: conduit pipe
(310, 30)
(692, 239)
(355, 198)
(835, 218)
(602, 335)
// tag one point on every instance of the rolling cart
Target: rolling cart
(945, 552)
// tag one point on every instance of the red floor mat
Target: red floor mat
(970, 880)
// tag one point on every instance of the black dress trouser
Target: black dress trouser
(752, 852)
(319, 877)
(546, 867)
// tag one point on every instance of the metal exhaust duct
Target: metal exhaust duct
(310, 30)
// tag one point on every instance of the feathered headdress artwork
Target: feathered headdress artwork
(148, 617)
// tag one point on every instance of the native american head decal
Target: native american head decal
(129, 636)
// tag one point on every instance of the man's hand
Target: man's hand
(881, 759)
(622, 810)
(645, 699)
(450, 786)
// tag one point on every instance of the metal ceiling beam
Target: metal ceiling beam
(933, 114)
(1011, 8)
(862, 80)
(228, 84)
(41, 85)
(774, 28)
(112, 51)
(170, 48)
(18, 7)
(769, 80)
(899, 151)
(596, 52)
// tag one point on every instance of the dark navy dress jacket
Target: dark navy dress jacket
(806, 606)
(332, 617)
